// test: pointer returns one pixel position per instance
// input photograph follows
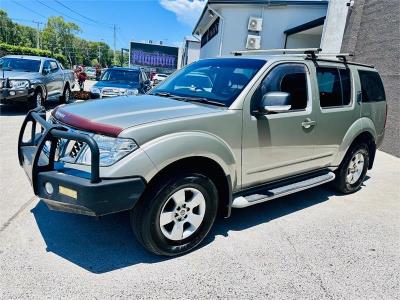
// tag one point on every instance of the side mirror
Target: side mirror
(275, 102)
(45, 71)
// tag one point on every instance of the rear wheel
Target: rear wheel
(176, 214)
(66, 96)
(353, 169)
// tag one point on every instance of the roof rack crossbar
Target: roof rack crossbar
(304, 50)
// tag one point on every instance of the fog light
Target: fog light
(49, 188)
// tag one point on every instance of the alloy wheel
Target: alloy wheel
(39, 99)
(355, 168)
(182, 214)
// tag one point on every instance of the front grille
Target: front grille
(67, 150)
(76, 148)
(111, 92)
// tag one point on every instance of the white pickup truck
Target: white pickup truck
(34, 79)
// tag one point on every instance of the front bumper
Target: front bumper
(72, 190)
(15, 95)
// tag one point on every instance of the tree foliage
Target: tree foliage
(58, 37)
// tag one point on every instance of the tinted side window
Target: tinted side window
(371, 86)
(289, 78)
(346, 85)
(54, 66)
(334, 86)
(46, 65)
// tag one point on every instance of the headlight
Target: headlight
(111, 150)
(95, 90)
(19, 84)
(132, 92)
(1, 83)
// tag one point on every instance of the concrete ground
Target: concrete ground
(315, 244)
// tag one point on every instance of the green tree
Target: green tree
(58, 35)
(16, 34)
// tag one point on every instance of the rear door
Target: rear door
(337, 109)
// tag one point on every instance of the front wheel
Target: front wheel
(176, 214)
(353, 169)
(37, 99)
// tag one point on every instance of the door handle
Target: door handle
(307, 123)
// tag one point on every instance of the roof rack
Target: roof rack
(309, 53)
(304, 50)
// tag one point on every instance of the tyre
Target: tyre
(37, 99)
(66, 96)
(175, 214)
(352, 170)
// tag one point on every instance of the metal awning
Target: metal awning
(306, 26)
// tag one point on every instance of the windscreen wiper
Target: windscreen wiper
(189, 99)
(169, 95)
(205, 101)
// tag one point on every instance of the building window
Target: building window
(334, 86)
(210, 32)
(371, 86)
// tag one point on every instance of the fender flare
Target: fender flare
(165, 150)
(358, 127)
(43, 88)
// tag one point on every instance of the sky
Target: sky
(139, 20)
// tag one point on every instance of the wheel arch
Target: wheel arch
(207, 167)
(43, 89)
(363, 130)
(367, 138)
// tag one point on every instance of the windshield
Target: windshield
(19, 64)
(121, 76)
(219, 80)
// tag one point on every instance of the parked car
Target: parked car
(33, 79)
(91, 73)
(121, 81)
(158, 77)
(268, 127)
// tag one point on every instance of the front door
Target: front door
(57, 77)
(277, 145)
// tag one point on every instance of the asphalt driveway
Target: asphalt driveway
(315, 244)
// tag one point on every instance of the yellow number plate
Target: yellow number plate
(68, 192)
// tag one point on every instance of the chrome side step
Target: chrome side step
(280, 191)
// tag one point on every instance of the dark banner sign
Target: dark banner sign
(210, 33)
(156, 56)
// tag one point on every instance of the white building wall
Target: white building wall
(276, 20)
(193, 53)
(335, 24)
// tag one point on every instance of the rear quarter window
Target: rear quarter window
(371, 86)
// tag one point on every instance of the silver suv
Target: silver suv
(219, 134)
(34, 79)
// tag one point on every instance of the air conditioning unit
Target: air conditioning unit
(253, 42)
(255, 24)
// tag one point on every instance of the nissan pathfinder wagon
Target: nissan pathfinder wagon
(221, 133)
